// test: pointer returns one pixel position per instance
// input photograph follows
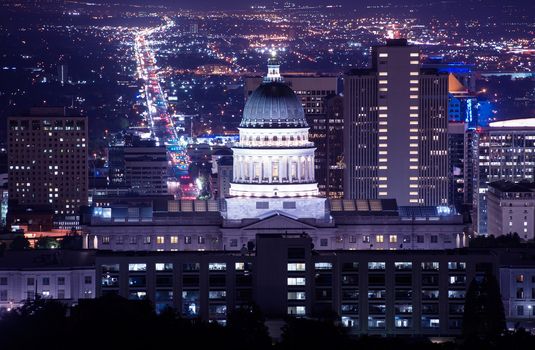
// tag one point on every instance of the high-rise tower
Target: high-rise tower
(395, 129)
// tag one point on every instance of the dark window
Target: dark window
(217, 280)
(288, 205)
(296, 253)
(376, 279)
(262, 205)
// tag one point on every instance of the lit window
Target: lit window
(164, 267)
(296, 266)
(160, 239)
(296, 310)
(393, 238)
(375, 265)
(383, 55)
(174, 239)
(217, 266)
(137, 267)
(379, 239)
(296, 296)
(296, 281)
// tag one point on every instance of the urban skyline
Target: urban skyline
(271, 175)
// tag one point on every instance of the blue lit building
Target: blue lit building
(463, 105)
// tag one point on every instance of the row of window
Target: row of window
(45, 281)
(168, 267)
(148, 239)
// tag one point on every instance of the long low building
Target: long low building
(54, 274)
(201, 225)
(374, 292)
(393, 292)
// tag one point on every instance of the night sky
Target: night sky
(237, 4)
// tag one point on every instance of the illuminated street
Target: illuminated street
(163, 126)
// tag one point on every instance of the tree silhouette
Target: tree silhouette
(19, 243)
(484, 316)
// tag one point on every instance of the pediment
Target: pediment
(278, 221)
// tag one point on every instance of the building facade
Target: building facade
(50, 274)
(284, 276)
(188, 225)
(457, 164)
(47, 157)
(395, 130)
(506, 151)
(511, 209)
(140, 167)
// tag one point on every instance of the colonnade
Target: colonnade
(273, 169)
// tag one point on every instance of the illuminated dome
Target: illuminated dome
(273, 163)
(273, 105)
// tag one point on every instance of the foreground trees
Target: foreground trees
(112, 322)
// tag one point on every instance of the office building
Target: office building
(316, 93)
(47, 156)
(328, 136)
(462, 100)
(457, 172)
(63, 275)
(224, 176)
(505, 151)
(511, 209)
(141, 167)
(517, 287)
(395, 129)
(284, 276)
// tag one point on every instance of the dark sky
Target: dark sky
(457, 5)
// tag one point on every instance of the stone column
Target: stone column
(250, 169)
(280, 169)
(242, 170)
(311, 164)
(270, 169)
(299, 169)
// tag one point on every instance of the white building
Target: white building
(63, 275)
(274, 160)
(505, 151)
(517, 287)
(511, 209)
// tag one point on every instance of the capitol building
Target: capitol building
(274, 160)
(272, 191)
